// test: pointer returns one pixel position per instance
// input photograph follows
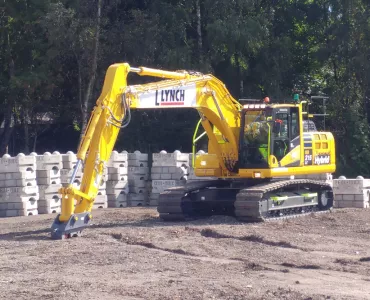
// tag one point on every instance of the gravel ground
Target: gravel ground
(130, 254)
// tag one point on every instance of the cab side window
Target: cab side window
(295, 140)
(295, 123)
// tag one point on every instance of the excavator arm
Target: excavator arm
(219, 113)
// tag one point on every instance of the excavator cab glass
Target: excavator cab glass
(287, 137)
(255, 138)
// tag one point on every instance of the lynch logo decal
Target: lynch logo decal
(174, 96)
(170, 97)
(322, 159)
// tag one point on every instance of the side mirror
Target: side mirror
(277, 127)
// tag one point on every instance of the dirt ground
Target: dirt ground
(130, 254)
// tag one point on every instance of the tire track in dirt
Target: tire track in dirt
(129, 241)
(210, 233)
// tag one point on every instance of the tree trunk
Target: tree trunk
(8, 128)
(239, 76)
(34, 142)
(26, 149)
(199, 33)
(90, 86)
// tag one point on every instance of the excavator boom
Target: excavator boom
(216, 107)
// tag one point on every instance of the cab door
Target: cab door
(255, 136)
(285, 142)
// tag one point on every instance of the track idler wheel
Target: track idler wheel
(325, 199)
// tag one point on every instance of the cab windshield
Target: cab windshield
(256, 138)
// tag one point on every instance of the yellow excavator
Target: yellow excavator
(254, 152)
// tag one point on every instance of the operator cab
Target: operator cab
(268, 130)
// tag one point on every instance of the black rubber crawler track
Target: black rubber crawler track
(250, 204)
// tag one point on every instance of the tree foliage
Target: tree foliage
(55, 53)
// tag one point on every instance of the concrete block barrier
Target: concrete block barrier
(48, 176)
(117, 186)
(167, 170)
(19, 193)
(351, 192)
(138, 174)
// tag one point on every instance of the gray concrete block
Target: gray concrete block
(21, 208)
(117, 201)
(101, 201)
(138, 171)
(101, 192)
(350, 186)
(53, 173)
(137, 163)
(153, 202)
(69, 160)
(170, 159)
(154, 196)
(118, 191)
(138, 177)
(137, 183)
(26, 203)
(117, 204)
(156, 170)
(117, 177)
(137, 203)
(28, 174)
(49, 189)
(120, 197)
(136, 197)
(137, 190)
(11, 194)
(18, 213)
(346, 203)
(166, 176)
(361, 204)
(49, 181)
(20, 163)
(48, 161)
(50, 205)
(117, 160)
(155, 176)
(17, 183)
(348, 197)
(364, 196)
(137, 155)
(169, 164)
(117, 170)
(179, 176)
(67, 173)
(161, 185)
(338, 197)
(116, 184)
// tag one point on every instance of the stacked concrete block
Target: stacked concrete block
(48, 167)
(117, 187)
(351, 192)
(138, 175)
(69, 162)
(19, 192)
(168, 170)
(101, 199)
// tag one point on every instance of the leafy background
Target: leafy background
(54, 55)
